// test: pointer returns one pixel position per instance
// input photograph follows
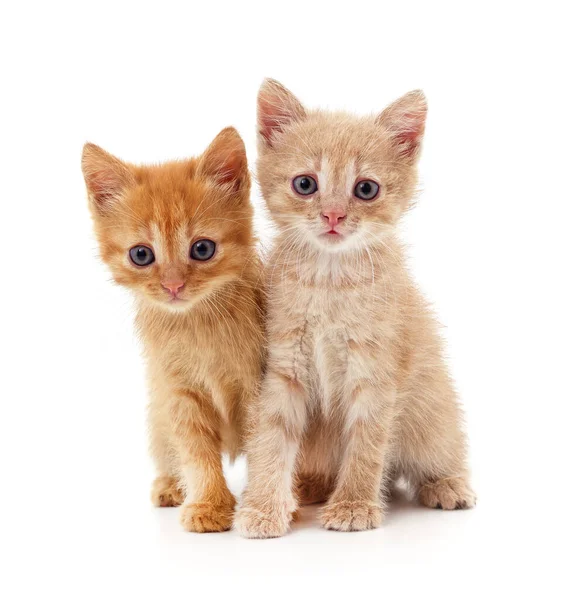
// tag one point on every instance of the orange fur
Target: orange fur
(357, 392)
(204, 347)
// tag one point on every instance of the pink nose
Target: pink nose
(172, 287)
(333, 217)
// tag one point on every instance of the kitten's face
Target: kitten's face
(177, 232)
(339, 180)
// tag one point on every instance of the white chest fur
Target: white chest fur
(326, 318)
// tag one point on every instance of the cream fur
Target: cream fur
(357, 393)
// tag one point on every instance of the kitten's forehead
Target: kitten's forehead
(169, 213)
(335, 176)
(169, 243)
(338, 148)
(337, 133)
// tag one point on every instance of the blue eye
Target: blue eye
(142, 256)
(366, 189)
(203, 250)
(304, 185)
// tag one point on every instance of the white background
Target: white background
(155, 81)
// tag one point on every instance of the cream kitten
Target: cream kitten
(357, 393)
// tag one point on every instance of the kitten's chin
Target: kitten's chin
(357, 239)
(178, 304)
(172, 305)
(335, 241)
(333, 237)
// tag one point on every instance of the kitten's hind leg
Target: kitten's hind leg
(433, 449)
(167, 488)
(167, 491)
(448, 493)
(439, 476)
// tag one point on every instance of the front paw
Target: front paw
(351, 516)
(204, 517)
(167, 491)
(254, 523)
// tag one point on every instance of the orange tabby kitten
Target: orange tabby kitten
(179, 235)
(357, 393)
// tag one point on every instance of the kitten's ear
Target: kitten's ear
(404, 119)
(224, 161)
(277, 107)
(106, 176)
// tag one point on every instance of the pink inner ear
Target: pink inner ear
(229, 170)
(105, 185)
(272, 117)
(269, 118)
(410, 131)
(106, 176)
(277, 108)
(414, 125)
